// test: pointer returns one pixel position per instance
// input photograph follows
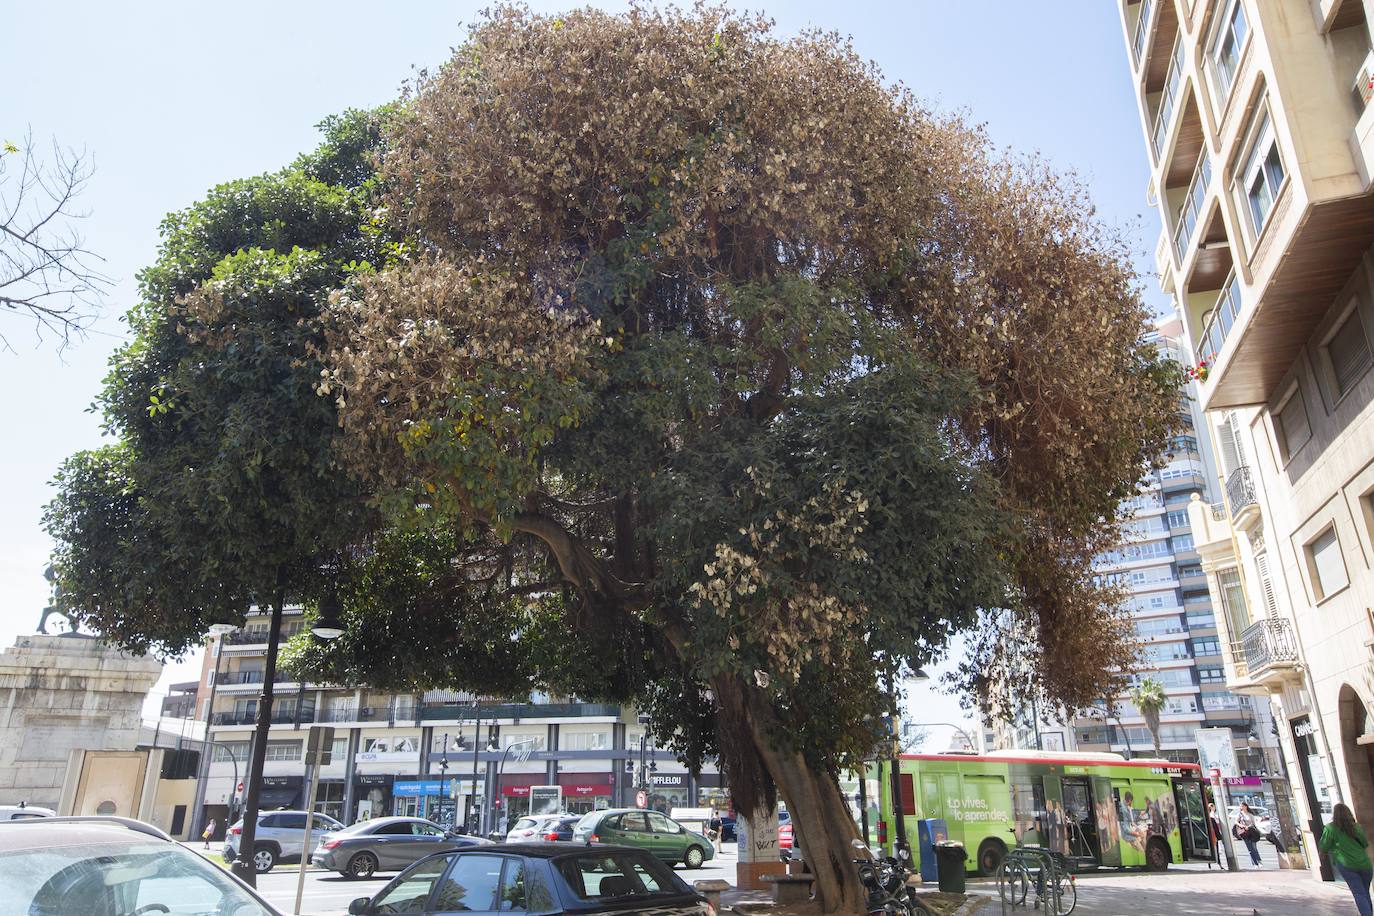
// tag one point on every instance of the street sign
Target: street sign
(641, 799)
(319, 746)
(1215, 751)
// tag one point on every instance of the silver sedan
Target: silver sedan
(385, 844)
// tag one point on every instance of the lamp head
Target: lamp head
(329, 623)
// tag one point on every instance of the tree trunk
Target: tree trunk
(821, 821)
(243, 862)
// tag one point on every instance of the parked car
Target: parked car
(386, 844)
(109, 865)
(560, 829)
(545, 878)
(20, 812)
(280, 837)
(648, 830)
(529, 829)
(727, 829)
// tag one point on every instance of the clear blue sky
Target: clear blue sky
(174, 97)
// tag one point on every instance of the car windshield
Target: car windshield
(524, 823)
(622, 874)
(116, 879)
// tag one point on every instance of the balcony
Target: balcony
(1191, 213)
(1221, 319)
(517, 711)
(1241, 497)
(1362, 140)
(1270, 650)
(252, 636)
(1141, 30)
(289, 716)
(240, 678)
(1168, 101)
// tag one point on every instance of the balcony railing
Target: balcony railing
(231, 678)
(1191, 213)
(1219, 323)
(1168, 99)
(518, 711)
(1142, 29)
(380, 714)
(246, 637)
(1240, 490)
(279, 716)
(1269, 642)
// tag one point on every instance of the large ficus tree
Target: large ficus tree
(749, 376)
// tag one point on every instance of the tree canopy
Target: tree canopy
(663, 359)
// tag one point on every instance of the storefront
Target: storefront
(586, 792)
(281, 792)
(713, 793)
(371, 796)
(515, 796)
(329, 798)
(668, 791)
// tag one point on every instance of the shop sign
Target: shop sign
(282, 782)
(1243, 781)
(373, 779)
(387, 757)
(668, 780)
(587, 790)
(418, 788)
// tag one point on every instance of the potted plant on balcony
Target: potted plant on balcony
(1200, 372)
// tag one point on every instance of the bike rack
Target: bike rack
(1047, 874)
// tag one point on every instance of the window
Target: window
(522, 889)
(1347, 353)
(1211, 675)
(412, 894)
(660, 824)
(634, 823)
(400, 828)
(528, 741)
(283, 750)
(1263, 175)
(1290, 423)
(1207, 646)
(231, 751)
(1188, 569)
(1327, 567)
(1183, 542)
(1178, 518)
(1226, 51)
(586, 741)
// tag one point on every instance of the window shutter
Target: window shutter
(1271, 604)
(1232, 455)
(1349, 353)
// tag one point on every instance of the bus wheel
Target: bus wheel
(990, 856)
(1157, 854)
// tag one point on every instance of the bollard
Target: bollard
(711, 890)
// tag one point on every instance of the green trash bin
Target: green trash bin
(950, 857)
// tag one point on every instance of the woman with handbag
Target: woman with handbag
(1344, 841)
(1246, 830)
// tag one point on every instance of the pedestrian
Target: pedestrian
(713, 828)
(1246, 830)
(209, 832)
(1344, 841)
(1214, 829)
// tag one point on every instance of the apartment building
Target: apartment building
(1260, 136)
(444, 755)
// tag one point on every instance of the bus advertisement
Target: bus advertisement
(1094, 809)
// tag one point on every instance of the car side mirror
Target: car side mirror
(360, 907)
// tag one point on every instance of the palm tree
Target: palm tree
(1148, 697)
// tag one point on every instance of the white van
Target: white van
(18, 812)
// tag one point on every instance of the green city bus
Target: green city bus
(1096, 809)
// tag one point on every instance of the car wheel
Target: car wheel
(264, 857)
(694, 857)
(363, 865)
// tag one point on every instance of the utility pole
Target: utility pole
(474, 826)
(243, 863)
(219, 632)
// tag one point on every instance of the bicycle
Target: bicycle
(1030, 867)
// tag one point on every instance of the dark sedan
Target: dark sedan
(543, 878)
(386, 844)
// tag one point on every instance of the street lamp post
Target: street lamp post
(501, 767)
(474, 826)
(443, 782)
(218, 631)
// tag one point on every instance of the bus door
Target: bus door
(940, 797)
(1053, 828)
(1080, 823)
(1192, 819)
(1108, 828)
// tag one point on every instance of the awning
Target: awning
(270, 797)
